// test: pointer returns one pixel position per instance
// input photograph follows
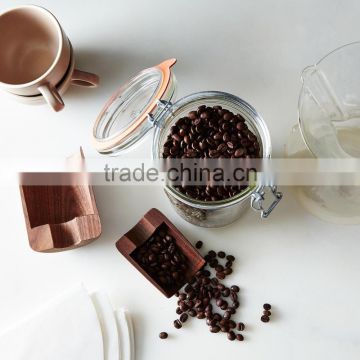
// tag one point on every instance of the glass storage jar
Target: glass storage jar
(146, 102)
(329, 128)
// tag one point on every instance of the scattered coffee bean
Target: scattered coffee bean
(212, 253)
(204, 291)
(163, 335)
(232, 324)
(179, 311)
(184, 317)
(201, 315)
(227, 315)
(215, 329)
(239, 337)
(265, 318)
(230, 258)
(267, 312)
(177, 324)
(240, 326)
(192, 312)
(267, 307)
(199, 244)
(226, 292)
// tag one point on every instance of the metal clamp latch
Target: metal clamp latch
(258, 198)
(162, 106)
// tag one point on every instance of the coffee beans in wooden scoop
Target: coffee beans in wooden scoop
(215, 133)
(163, 260)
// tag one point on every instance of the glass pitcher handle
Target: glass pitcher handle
(258, 198)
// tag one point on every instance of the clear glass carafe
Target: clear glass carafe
(329, 128)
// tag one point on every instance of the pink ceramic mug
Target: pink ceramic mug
(35, 55)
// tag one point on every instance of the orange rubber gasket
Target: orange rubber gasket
(106, 145)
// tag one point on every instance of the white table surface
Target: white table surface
(308, 269)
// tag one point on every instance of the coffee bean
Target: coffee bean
(215, 329)
(239, 337)
(235, 288)
(220, 275)
(184, 317)
(226, 292)
(240, 326)
(228, 271)
(233, 296)
(232, 324)
(219, 268)
(221, 254)
(231, 336)
(192, 313)
(267, 307)
(224, 328)
(201, 315)
(267, 312)
(230, 258)
(188, 288)
(177, 324)
(236, 304)
(265, 319)
(217, 317)
(179, 311)
(199, 244)
(227, 315)
(213, 263)
(219, 302)
(224, 305)
(163, 335)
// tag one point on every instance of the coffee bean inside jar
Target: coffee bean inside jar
(211, 133)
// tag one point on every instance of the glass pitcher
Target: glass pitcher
(329, 128)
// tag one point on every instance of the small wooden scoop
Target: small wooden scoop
(60, 217)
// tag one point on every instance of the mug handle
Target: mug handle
(52, 96)
(83, 78)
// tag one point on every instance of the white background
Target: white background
(308, 269)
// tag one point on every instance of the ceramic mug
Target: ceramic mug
(36, 54)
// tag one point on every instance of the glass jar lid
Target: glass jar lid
(124, 120)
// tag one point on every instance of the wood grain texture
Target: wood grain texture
(143, 230)
(60, 217)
